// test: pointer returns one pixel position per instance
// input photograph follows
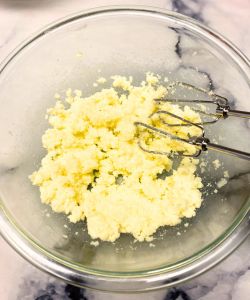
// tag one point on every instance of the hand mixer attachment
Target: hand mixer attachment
(222, 107)
(200, 141)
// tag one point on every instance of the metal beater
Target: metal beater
(222, 110)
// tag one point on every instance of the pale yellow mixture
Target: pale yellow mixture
(94, 169)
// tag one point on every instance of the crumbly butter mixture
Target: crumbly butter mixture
(94, 169)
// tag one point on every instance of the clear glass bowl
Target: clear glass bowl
(73, 52)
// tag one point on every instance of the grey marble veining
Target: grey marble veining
(191, 8)
(231, 278)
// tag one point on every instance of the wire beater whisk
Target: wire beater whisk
(201, 142)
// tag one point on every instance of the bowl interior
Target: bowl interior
(74, 55)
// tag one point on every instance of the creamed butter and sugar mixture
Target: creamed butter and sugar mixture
(95, 171)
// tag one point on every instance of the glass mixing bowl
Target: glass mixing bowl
(74, 52)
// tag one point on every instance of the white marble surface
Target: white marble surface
(20, 280)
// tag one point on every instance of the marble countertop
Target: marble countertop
(20, 280)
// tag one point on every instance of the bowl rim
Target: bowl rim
(163, 276)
